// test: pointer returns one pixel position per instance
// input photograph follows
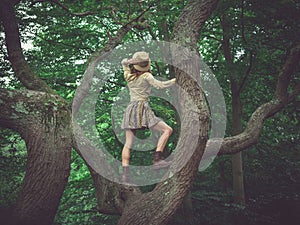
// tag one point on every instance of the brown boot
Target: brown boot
(126, 175)
(158, 162)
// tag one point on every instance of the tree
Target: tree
(43, 120)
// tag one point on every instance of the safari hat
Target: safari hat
(143, 61)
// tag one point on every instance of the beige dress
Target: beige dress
(138, 114)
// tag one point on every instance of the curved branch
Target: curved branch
(112, 198)
(16, 57)
(250, 135)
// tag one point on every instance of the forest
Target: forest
(63, 93)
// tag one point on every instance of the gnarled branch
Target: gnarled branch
(250, 135)
(16, 57)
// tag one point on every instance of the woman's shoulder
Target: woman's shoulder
(146, 75)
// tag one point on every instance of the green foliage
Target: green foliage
(79, 204)
(12, 166)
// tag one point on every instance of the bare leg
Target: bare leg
(130, 134)
(166, 133)
(158, 162)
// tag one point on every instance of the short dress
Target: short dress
(138, 114)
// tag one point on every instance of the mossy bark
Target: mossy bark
(44, 122)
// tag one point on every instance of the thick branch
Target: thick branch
(250, 135)
(20, 109)
(184, 25)
(12, 37)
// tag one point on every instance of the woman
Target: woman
(138, 114)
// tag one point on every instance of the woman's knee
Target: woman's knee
(129, 143)
(130, 134)
(168, 130)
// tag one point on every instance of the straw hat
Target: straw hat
(143, 61)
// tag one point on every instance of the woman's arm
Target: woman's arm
(159, 84)
(125, 63)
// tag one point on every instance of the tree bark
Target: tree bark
(47, 133)
(237, 158)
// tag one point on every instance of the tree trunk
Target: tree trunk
(184, 214)
(237, 162)
(43, 121)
